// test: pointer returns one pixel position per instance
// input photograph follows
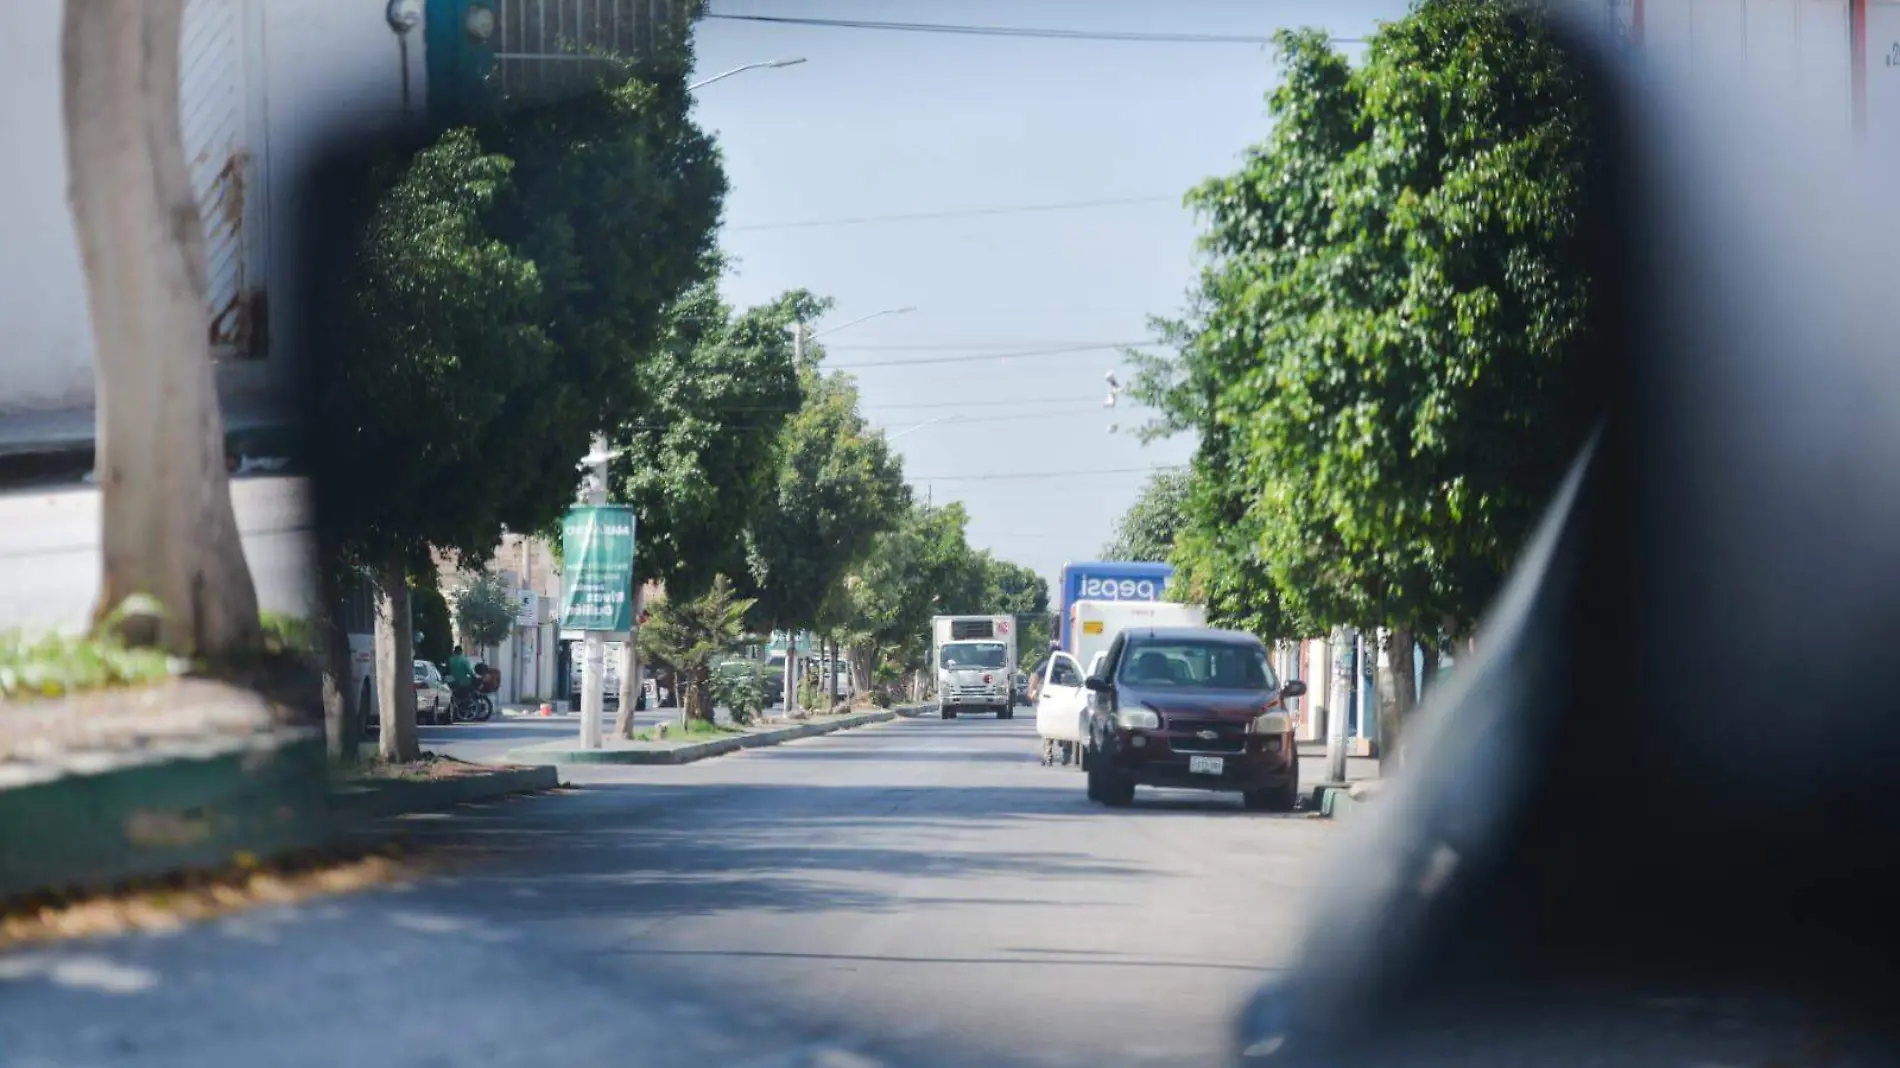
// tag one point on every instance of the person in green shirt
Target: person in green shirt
(461, 672)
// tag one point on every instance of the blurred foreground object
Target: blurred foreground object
(1651, 822)
(169, 531)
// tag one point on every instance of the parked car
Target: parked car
(432, 695)
(1191, 708)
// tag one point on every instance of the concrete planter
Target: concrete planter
(394, 797)
(105, 820)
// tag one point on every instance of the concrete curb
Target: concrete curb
(65, 458)
(395, 797)
(689, 752)
(119, 819)
(1342, 800)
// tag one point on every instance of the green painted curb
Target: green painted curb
(91, 829)
(379, 800)
(1334, 802)
(689, 752)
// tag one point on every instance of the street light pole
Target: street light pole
(593, 675)
(767, 65)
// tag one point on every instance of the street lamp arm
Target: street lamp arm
(794, 61)
(860, 319)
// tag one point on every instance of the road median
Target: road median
(687, 751)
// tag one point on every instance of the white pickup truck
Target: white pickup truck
(1062, 701)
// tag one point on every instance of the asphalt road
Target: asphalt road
(49, 550)
(919, 892)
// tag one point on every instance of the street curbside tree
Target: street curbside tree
(168, 529)
(1147, 530)
(483, 608)
(491, 304)
(697, 441)
(1388, 358)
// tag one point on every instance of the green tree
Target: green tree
(686, 636)
(1387, 359)
(881, 611)
(697, 443)
(430, 610)
(484, 610)
(836, 487)
(1147, 530)
(490, 316)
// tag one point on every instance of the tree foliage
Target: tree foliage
(483, 609)
(882, 608)
(1146, 532)
(698, 438)
(837, 486)
(1388, 355)
(491, 307)
(686, 635)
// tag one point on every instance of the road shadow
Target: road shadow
(672, 850)
(932, 756)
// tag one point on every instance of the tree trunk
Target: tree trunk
(831, 649)
(1431, 656)
(167, 526)
(1398, 693)
(395, 665)
(342, 720)
(631, 685)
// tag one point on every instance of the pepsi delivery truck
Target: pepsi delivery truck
(1103, 581)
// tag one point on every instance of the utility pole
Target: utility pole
(593, 677)
(1341, 694)
(791, 636)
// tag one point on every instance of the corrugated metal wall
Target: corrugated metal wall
(545, 47)
(1797, 53)
(214, 109)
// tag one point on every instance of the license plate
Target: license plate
(1206, 765)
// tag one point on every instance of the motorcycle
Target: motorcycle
(476, 704)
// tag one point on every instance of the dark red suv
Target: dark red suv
(1191, 708)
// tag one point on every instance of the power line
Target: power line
(960, 213)
(984, 403)
(1004, 476)
(1068, 350)
(1018, 31)
(960, 421)
(983, 346)
(949, 421)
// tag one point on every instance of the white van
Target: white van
(1063, 699)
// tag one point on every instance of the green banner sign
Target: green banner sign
(597, 571)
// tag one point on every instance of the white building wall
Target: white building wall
(262, 83)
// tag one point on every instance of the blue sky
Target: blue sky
(883, 123)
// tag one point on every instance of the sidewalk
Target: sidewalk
(1313, 756)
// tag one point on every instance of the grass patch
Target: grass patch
(54, 665)
(698, 728)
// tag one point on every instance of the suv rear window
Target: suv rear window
(1196, 665)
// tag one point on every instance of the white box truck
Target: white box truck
(975, 661)
(1062, 700)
